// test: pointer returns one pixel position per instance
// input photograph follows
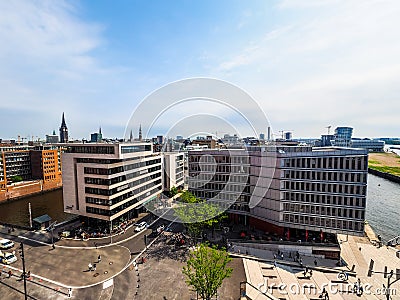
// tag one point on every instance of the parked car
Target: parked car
(7, 258)
(6, 244)
(141, 226)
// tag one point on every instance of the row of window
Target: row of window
(125, 177)
(324, 222)
(325, 199)
(326, 176)
(116, 170)
(324, 187)
(219, 159)
(135, 148)
(219, 168)
(322, 210)
(106, 212)
(91, 149)
(106, 192)
(339, 163)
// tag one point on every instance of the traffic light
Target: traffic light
(21, 250)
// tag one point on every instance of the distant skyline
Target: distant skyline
(309, 64)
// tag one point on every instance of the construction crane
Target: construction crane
(329, 129)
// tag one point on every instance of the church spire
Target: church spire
(63, 121)
(100, 129)
(63, 130)
(140, 132)
(131, 136)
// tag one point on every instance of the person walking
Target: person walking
(315, 262)
(90, 266)
(94, 267)
(99, 258)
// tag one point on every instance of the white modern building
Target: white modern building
(370, 145)
(173, 170)
(110, 182)
(285, 189)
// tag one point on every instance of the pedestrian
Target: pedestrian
(90, 266)
(315, 262)
(310, 273)
(9, 274)
(282, 256)
(28, 274)
(94, 267)
(69, 293)
(99, 258)
(274, 256)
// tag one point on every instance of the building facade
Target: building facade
(285, 189)
(343, 136)
(370, 145)
(110, 182)
(30, 163)
(173, 170)
(52, 138)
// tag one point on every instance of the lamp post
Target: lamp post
(51, 227)
(23, 268)
(386, 274)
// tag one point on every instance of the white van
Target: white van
(6, 244)
(7, 258)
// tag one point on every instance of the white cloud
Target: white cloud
(336, 61)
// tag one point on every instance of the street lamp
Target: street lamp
(51, 227)
(387, 275)
(21, 252)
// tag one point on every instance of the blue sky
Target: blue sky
(308, 64)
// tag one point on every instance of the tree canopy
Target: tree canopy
(198, 214)
(206, 269)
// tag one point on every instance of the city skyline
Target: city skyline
(308, 65)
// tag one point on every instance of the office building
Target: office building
(110, 182)
(52, 138)
(370, 145)
(343, 136)
(96, 137)
(30, 163)
(296, 189)
(173, 170)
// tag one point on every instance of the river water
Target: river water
(383, 207)
(17, 211)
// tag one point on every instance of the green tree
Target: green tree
(173, 191)
(16, 178)
(206, 269)
(198, 214)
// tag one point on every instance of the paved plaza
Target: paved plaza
(56, 272)
(285, 279)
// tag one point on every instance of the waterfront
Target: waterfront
(383, 207)
(16, 211)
